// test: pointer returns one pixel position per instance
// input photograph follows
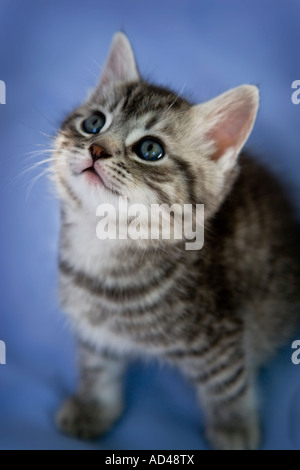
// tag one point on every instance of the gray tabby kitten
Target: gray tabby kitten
(216, 313)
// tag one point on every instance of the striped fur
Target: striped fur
(216, 313)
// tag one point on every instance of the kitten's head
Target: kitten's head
(132, 139)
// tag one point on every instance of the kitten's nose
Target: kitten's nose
(98, 152)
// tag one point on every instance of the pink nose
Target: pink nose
(98, 152)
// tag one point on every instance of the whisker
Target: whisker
(49, 136)
(176, 98)
(27, 170)
(37, 153)
(47, 118)
(35, 180)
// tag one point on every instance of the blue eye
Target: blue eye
(94, 123)
(149, 149)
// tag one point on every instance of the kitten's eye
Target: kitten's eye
(149, 149)
(94, 123)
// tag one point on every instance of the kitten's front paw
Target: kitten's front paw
(242, 437)
(85, 420)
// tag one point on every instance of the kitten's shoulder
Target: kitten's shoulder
(257, 205)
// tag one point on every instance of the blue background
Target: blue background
(51, 52)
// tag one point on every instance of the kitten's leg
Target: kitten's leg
(98, 402)
(225, 386)
(231, 420)
(226, 389)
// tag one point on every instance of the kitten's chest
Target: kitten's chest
(121, 296)
(131, 315)
(81, 247)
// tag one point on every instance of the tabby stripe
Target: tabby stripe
(116, 178)
(190, 179)
(119, 172)
(225, 349)
(69, 190)
(233, 380)
(144, 316)
(152, 324)
(162, 302)
(115, 293)
(160, 176)
(144, 270)
(157, 338)
(88, 347)
(134, 103)
(214, 346)
(224, 400)
(149, 310)
(75, 150)
(152, 121)
(79, 145)
(162, 195)
(208, 375)
(121, 165)
(130, 90)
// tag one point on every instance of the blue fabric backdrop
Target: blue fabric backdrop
(51, 52)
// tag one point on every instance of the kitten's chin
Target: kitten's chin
(94, 179)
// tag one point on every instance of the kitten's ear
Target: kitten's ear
(227, 121)
(120, 65)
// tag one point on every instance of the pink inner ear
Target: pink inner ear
(114, 67)
(222, 142)
(231, 129)
(120, 65)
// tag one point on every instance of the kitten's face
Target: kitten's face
(141, 131)
(132, 139)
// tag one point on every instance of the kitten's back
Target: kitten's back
(255, 234)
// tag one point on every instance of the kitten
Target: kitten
(216, 313)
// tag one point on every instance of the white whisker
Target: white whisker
(176, 98)
(31, 168)
(38, 153)
(35, 180)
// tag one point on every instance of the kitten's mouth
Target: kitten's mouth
(92, 170)
(94, 177)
